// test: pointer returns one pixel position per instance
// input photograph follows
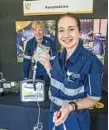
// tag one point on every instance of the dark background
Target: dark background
(11, 11)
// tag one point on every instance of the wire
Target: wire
(53, 127)
(39, 112)
(39, 125)
(64, 127)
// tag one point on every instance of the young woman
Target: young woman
(76, 78)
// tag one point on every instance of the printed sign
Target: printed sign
(40, 7)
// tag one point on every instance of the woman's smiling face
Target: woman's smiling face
(68, 32)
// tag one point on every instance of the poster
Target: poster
(94, 33)
(97, 27)
(24, 33)
(39, 7)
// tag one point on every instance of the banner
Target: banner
(40, 7)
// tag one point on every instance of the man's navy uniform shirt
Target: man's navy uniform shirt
(29, 51)
(78, 77)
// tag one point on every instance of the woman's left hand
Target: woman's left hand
(61, 115)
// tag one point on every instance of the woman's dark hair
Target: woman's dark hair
(69, 15)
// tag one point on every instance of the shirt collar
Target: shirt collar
(74, 55)
(42, 42)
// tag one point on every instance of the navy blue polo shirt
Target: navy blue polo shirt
(78, 77)
(29, 51)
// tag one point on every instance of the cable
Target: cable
(64, 126)
(53, 127)
(39, 125)
(34, 74)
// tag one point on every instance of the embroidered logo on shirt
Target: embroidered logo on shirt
(72, 76)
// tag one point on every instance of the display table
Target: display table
(15, 115)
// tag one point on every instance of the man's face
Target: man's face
(68, 32)
(38, 33)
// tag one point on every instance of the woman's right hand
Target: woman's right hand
(61, 115)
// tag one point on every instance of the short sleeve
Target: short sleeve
(94, 79)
